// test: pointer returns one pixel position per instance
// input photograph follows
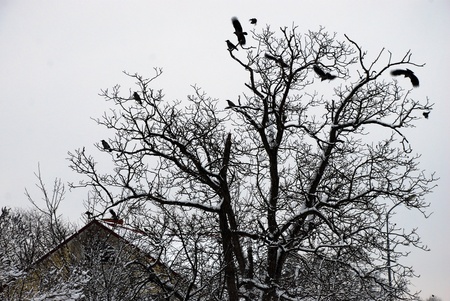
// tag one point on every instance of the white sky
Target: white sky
(55, 56)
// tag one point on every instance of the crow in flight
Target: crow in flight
(276, 59)
(426, 114)
(231, 46)
(322, 74)
(137, 98)
(407, 73)
(230, 104)
(238, 30)
(113, 214)
(106, 146)
(253, 21)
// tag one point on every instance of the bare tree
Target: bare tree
(285, 193)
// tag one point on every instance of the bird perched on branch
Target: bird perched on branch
(279, 60)
(407, 73)
(253, 21)
(137, 98)
(230, 104)
(106, 146)
(426, 114)
(322, 74)
(113, 214)
(231, 46)
(238, 30)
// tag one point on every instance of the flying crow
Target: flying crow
(322, 74)
(238, 30)
(113, 214)
(253, 21)
(426, 114)
(106, 146)
(276, 59)
(407, 73)
(231, 46)
(137, 98)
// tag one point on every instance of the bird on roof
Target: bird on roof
(106, 146)
(137, 98)
(113, 214)
(426, 114)
(279, 60)
(238, 30)
(322, 74)
(253, 21)
(407, 73)
(231, 46)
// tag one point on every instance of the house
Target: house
(96, 263)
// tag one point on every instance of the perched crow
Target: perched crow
(407, 73)
(106, 146)
(231, 46)
(113, 214)
(426, 114)
(89, 214)
(253, 21)
(137, 98)
(230, 104)
(276, 59)
(322, 74)
(238, 30)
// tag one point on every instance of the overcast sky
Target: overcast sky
(56, 56)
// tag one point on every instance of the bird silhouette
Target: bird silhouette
(426, 114)
(113, 214)
(230, 104)
(231, 46)
(322, 74)
(238, 30)
(407, 73)
(106, 146)
(253, 21)
(276, 59)
(137, 98)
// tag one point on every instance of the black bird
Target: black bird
(426, 114)
(322, 74)
(113, 214)
(230, 104)
(238, 30)
(106, 146)
(137, 98)
(276, 59)
(231, 46)
(253, 21)
(89, 214)
(407, 73)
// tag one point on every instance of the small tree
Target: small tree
(284, 194)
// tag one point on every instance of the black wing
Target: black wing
(230, 104)
(329, 76)
(412, 77)
(270, 57)
(113, 214)
(319, 71)
(398, 72)
(137, 97)
(236, 24)
(106, 145)
(231, 46)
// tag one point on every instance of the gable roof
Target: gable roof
(102, 227)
